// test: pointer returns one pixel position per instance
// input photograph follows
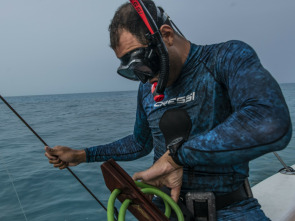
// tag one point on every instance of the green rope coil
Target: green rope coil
(111, 203)
(123, 209)
(167, 206)
(146, 189)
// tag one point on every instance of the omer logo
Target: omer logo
(177, 100)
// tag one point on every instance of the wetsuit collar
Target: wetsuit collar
(193, 56)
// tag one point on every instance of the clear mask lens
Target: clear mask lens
(134, 66)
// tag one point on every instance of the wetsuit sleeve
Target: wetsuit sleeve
(128, 148)
(260, 120)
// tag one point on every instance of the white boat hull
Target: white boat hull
(276, 195)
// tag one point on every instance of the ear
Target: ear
(167, 34)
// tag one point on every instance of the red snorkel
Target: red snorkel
(155, 37)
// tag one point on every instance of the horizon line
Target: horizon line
(91, 92)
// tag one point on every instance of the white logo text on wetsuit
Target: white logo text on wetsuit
(177, 100)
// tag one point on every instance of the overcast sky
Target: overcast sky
(62, 46)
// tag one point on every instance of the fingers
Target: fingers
(142, 176)
(162, 173)
(159, 169)
(137, 176)
(145, 176)
(56, 151)
(48, 149)
(59, 163)
(65, 165)
(175, 192)
(50, 157)
(150, 174)
(48, 154)
(53, 159)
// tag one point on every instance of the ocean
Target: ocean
(31, 189)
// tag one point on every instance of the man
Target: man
(237, 111)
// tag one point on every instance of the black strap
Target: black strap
(222, 201)
(201, 202)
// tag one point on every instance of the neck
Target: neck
(181, 49)
(184, 49)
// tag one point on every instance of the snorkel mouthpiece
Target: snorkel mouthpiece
(157, 97)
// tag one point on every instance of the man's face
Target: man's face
(127, 43)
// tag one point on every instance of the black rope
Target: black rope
(287, 168)
(11, 108)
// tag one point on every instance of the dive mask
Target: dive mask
(140, 64)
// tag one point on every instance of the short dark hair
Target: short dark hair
(127, 18)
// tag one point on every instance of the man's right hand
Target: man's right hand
(62, 157)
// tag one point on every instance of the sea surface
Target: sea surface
(31, 189)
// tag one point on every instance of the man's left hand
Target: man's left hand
(165, 172)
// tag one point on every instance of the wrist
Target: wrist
(80, 156)
(173, 148)
(176, 160)
(176, 164)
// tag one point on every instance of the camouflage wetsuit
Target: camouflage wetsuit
(238, 113)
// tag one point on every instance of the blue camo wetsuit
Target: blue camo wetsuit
(238, 113)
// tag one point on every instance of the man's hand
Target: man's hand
(165, 172)
(63, 157)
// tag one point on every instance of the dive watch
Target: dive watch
(173, 147)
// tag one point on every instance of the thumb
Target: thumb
(51, 151)
(48, 149)
(143, 176)
(175, 192)
(137, 176)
